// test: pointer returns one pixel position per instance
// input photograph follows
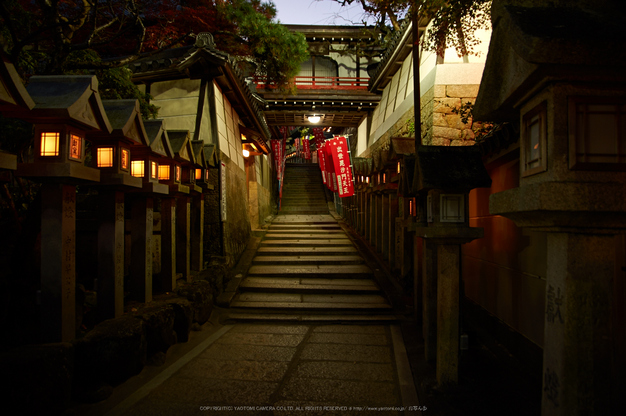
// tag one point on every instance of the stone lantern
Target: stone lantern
(204, 161)
(112, 154)
(443, 178)
(398, 148)
(182, 183)
(567, 91)
(145, 165)
(145, 159)
(66, 108)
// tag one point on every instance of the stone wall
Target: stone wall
(237, 225)
(445, 128)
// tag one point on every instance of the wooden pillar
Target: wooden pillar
(111, 255)
(578, 338)
(58, 262)
(393, 214)
(197, 233)
(168, 244)
(378, 237)
(372, 218)
(384, 238)
(141, 248)
(183, 237)
(429, 299)
(448, 293)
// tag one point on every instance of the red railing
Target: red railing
(320, 83)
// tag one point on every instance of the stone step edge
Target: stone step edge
(309, 318)
(329, 306)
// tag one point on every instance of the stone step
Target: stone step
(308, 285)
(325, 236)
(305, 251)
(304, 219)
(296, 301)
(309, 259)
(309, 242)
(340, 271)
(317, 318)
(311, 230)
(308, 227)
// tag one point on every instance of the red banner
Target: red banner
(306, 147)
(297, 145)
(330, 167)
(278, 153)
(343, 170)
(321, 159)
(318, 135)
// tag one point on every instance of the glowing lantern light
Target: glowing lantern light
(137, 168)
(49, 144)
(105, 157)
(164, 172)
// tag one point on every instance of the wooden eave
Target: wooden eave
(241, 101)
(395, 57)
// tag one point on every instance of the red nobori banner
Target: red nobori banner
(331, 180)
(306, 147)
(343, 170)
(321, 159)
(297, 143)
(279, 157)
(318, 135)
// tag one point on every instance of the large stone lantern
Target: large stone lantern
(443, 178)
(66, 108)
(567, 90)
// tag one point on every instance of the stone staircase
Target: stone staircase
(306, 267)
(303, 190)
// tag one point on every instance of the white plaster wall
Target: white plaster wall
(221, 121)
(397, 97)
(361, 145)
(177, 102)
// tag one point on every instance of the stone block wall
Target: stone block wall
(441, 125)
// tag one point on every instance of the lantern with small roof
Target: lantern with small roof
(66, 107)
(145, 159)
(112, 152)
(171, 166)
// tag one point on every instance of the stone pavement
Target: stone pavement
(283, 369)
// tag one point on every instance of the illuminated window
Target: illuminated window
(164, 172)
(76, 147)
(153, 172)
(206, 175)
(105, 157)
(398, 166)
(49, 144)
(136, 168)
(124, 158)
(198, 174)
(534, 132)
(384, 178)
(177, 173)
(411, 207)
